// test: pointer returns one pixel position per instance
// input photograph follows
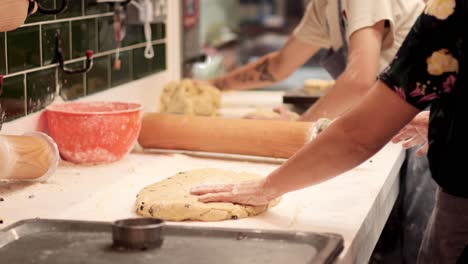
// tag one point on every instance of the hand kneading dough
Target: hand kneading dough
(171, 200)
(188, 98)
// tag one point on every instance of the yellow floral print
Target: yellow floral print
(441, 62)
(440, 9)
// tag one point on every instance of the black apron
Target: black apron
(334, 61)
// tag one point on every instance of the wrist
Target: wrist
(270, 189)
(221, 83)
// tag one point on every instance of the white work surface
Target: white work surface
(239, 103)
(355, 205)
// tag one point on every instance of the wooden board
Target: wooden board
(300, 97)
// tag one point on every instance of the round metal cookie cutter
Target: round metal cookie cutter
(137, 233)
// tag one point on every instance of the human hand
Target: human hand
(248, 193)
(415, 134)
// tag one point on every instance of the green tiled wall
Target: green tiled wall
(27, 57)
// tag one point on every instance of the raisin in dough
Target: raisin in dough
(187, 97)
(171, 200)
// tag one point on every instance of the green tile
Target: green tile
(75, 8)
(98, 78)
(48, 41)
(135, 35)
(125, 73)
(12, 97)
(23, 49)
(72, 84)
(91, 8)
(37, 17)
(2, 54)
(106, 34)
(143, 67)
(160, 29)
(41, 87)
(159, 62)
(83, 37)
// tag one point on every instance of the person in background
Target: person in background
(361, 38)
(429, 69)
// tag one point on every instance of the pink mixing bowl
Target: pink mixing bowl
(94, 132)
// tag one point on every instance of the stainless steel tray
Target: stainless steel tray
(56, 242)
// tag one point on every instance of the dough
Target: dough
(319, 126)
(314, 86)
(188, 98)
(171, 200)
(268, 113)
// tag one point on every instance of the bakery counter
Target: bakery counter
(235, 104)
(355, 205)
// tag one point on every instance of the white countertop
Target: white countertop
(355, 205)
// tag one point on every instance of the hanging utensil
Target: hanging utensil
(61, 61)
(47, 11)
(60, 58)
(120, 31)
(146, 17)
(120, 25)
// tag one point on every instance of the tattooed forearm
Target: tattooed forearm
(244, 77)
(221, 84)
(264, 70)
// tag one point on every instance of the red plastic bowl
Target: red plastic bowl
(94, 132)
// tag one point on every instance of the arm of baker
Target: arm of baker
(308, 37)
(429, 53)
(361, 70)
(269, 69)
(345, 144)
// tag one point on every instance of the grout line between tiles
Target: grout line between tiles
(96, 32)
(6, 54)
(25, 92)
(130, 56)
(85, 82)
(68, 19)
(109, 71)
(106, 53)
(58, 84)
(70, 39)
(41, 57)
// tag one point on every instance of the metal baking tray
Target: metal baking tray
(301, 98)
(56, 242)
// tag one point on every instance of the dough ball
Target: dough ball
(188, 98)
(314, 86)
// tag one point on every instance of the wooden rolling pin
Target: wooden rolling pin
(267, 138)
